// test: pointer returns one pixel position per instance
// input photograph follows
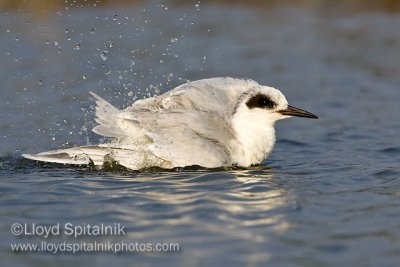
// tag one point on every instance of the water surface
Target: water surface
(327, 196)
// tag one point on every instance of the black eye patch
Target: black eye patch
(260, 101)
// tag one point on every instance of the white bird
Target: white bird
(210, 123)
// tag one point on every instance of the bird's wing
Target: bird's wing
(75, 155)
(187, 138)
(100, 155)
(180, 135)
(215, 95)
(186, 126)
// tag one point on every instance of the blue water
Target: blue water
(327, 196)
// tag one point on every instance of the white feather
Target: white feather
(204, 123)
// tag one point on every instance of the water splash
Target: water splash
(103, 55)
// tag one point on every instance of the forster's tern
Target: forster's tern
(211, 123)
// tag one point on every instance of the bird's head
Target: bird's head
(256, 111)
(267, 104)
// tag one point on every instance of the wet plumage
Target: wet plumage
(211, 123)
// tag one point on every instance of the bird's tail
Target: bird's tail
(111, 124)
(107, 118)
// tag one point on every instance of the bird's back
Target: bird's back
(210, 95)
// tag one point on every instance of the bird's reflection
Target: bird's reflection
(241, 203)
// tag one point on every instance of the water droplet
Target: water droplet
(173, 40)
(115, 17)
(47, 42)
(55, 43)
(161, 61)
(16, 39)
(77, 46)
(66, 30)
(93, 30)
(103, 55)
(40, 82)
(84, 77)
(68, 38)
(8, 30)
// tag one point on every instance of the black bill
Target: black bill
(297, 112)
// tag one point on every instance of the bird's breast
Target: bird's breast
(254, 140)
(251, 148)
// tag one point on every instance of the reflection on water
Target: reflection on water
(328, 194)
(197, 209)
